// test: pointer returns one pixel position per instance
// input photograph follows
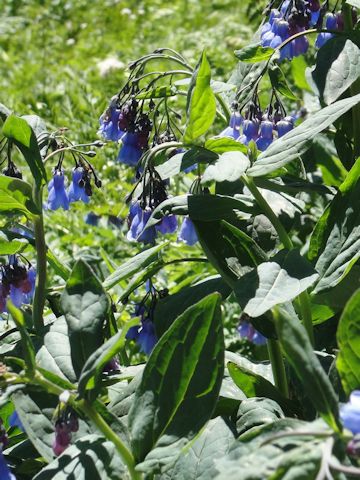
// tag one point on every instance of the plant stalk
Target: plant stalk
(304, 300)
(278, 366)
(40, 284)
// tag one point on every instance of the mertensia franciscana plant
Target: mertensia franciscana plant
(223, 341)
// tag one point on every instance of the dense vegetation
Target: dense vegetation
(179, 240)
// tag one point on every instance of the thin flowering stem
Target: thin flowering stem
(155, 56)
(41, 264)
(278, 366)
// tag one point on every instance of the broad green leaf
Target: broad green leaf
(229, 167)
(335, 242)
(19, 131)
(94, 366)
(169, 308)
(181, 161)
(10, 247)
(348, 339)
(279, 280)
(55, 354)
(337, 67)
(201, 103)
(279, 83)
(254, 53)
(245, 76)
(292, 145)
(16, 197)
(354, 3)
(299, 353)
(224, 144)
(257, 411)
(89, 458)
(206, 208)
(85, 305)
(183, 375)
(254, 385)
(199, 461)
(134, 265)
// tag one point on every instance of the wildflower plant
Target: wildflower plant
(112, 371)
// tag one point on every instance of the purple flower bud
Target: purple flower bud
(57, 194)
(187, 233)
(62, 438)
(230, 132)
(112, 366)
(350, 413)
(130, 152)
(92, 219)
(14, 421)
(284, 126)
(5, 473)
(147, 337)
(331, 24)
(109, 124)
(246, 330)
(137, 233)
(76, 190)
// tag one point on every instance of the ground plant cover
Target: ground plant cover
(179, 240)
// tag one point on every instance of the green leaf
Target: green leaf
(337, 67)
(279, 83)
(254, 53)
(335, 242)
(279, 280)
(183, 375)
(354, 3)
(167, 309)
(60, 268)
(10, 247)
(201, 103)
(230, 166)
(200, 460)
(254, 385)
(179, 162)
(26, 342)
(134, 265)
(55, 354)
(225, 144)
(16, 197)
(298, 68)
(348, 339)
(292, 145)
(85, 305)
(298, 351)
(19, 131)
(4, 112)
(94, 366)
(89, 458)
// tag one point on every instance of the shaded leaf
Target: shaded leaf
(16, 197)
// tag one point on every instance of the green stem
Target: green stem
(97, 419)
(278, 367)
(224, 106)
(355, 87)
(304, 300)
(108, 433)
(40, 285)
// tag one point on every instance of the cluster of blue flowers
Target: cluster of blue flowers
(248, 332)
(79, 189)
(144, 334)
(350, 413)
(261, 128)
(17, 283)
(128, 124)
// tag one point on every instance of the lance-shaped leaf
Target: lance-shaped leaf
(201, 108)
(85, 305)
(299, 352)
(16, 197)
(337, 67)
(348, 338)
(335, 242)
(279, 280)
(183, 375)
(292, 145)
(134, 265)
(254, 53)
(278, 81)
(19, 131)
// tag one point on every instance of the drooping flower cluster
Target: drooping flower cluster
(153, 194)
(144, 334)
(126, 122)
(11, 169)
(65, 425)
(350, 413)
(248, 332)
(293, 17)
(261, 127)
(17, 283)
(5, 473)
